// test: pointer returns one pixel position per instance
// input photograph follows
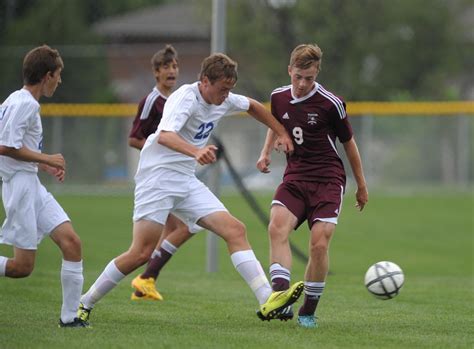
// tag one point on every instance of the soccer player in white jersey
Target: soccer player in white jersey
(31, 212)
(314, 179)
(166, 183)
(150, 111)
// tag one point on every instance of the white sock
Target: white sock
(249, 267)
(106, 281)
(314, 289)
(278, 271)
(3, 265)
(71, 281)
(165, 245)
(168, 247)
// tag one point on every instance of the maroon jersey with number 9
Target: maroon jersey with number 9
(313, 122)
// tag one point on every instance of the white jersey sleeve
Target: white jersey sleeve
(178, 108)
(20, 125)
(237, 103)
(15, 120)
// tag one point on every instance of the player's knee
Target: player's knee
(318, 249)
(236, 234)
(239, 231)
(143, 256)
(277, 233)
(74, 242)
(71, 247)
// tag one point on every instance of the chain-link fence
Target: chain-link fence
(398, 152)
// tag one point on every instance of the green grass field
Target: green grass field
(429, 235)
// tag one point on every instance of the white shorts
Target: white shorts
(169, 191)
(31, 212)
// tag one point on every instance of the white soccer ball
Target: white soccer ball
(384, 279)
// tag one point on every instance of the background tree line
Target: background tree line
(373, 50)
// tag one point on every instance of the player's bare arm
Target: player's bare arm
(265, 159)
(172, 140)
(260, 113)
(25, 154)
(352, 152)
(136, 143)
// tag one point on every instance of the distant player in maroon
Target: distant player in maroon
(314, 180)
(150, 110)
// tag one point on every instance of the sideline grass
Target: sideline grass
(429, 236)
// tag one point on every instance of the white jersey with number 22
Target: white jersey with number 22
(187, 114)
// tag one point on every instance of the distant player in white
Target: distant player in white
(166, 183)
(31, 212)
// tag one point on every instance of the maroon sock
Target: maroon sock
(280, 284)
(156, 263)
(154, 266)
(309, 305)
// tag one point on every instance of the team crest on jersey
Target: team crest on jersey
(312, 118)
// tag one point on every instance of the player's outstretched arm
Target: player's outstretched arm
(25, 154)
(352, 152)
(265, 159)
(260, 113)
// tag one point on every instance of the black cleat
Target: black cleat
(284, 315)
(75, 323)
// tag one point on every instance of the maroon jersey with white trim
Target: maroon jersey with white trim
(313, 122)
(150, 111)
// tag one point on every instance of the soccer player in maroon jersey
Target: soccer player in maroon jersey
(314, 179)
(150, 110)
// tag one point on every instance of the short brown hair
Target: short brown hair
(218, 66)
(306, 55)
(164, 56)
(38, 62)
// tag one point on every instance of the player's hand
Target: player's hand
(285, 144)
(53, 171)
(362, 197)
(206, 155)
(263, 163)
(56, 161)
(60, 174)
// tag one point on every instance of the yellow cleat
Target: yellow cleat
(147, 288)
(278, 301)
(83, 314)
(134, 297)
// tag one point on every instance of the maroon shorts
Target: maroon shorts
(310, 201)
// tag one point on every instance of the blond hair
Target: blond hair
(306, 55)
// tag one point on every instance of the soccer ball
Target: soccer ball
(384, 279)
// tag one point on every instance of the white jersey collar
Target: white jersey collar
(156, 90)
(198, 94)
(301, 99)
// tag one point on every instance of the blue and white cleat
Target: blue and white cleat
(307, 321)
